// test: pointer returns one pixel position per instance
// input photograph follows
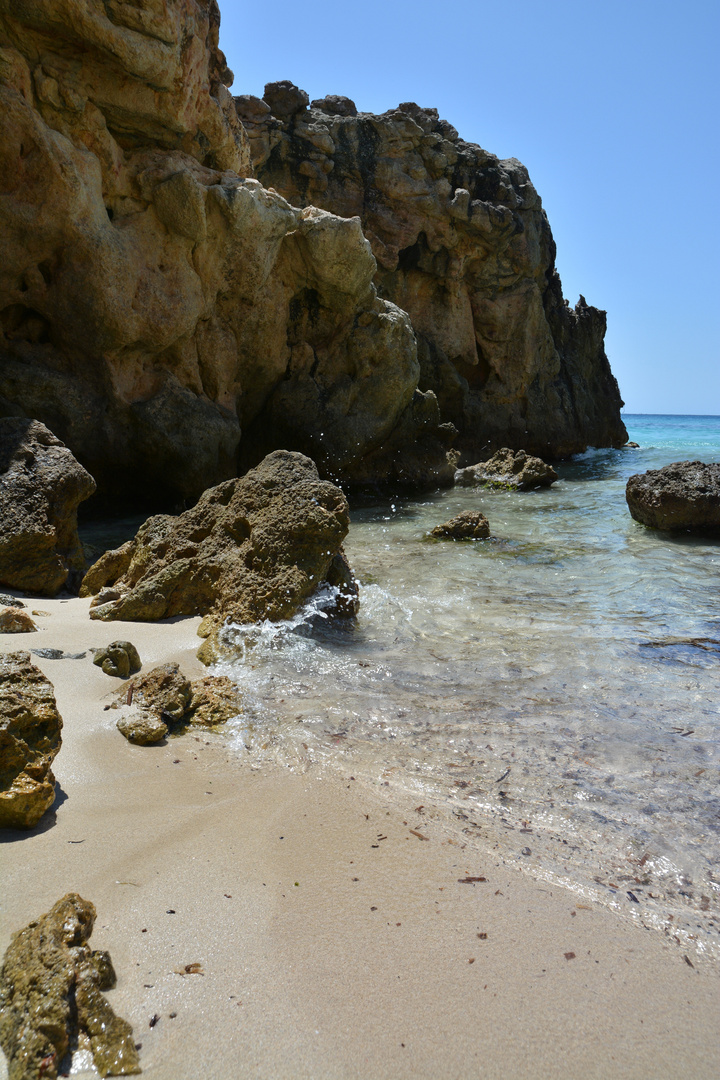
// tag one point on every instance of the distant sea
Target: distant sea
(551, 693)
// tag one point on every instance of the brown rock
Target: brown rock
(50, 996)
(464, 246)
(164, 303)
(119, 659)
(142, 728)
(41, 486)
(508, 469)
(215, 699)
(468, 525)
(684, 496)
(253, 548)
(164, 691)
(30, 727)
(15, 621)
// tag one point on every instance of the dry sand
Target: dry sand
(326, 951)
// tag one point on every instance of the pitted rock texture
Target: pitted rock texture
(508, 469)
(464, 246)
(41, 487)
(467, 525)
(164, 697)
(684, 496)
(50, 996)
(250, 549)
(118, 659)
(30, 727)
(159, 309)
(15, 621)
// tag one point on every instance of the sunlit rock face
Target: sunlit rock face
(463, 245)
(161, 311)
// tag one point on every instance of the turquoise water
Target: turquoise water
(551, 692)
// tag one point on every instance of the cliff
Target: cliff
(172, 318)
(159, 308)
(463, 245)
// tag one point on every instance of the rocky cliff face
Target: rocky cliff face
(157, 304)
(463, 245)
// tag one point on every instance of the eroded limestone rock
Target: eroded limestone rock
(41, 487)
(467, 525)
(684, 496)
(164, 697)
(166, 312)
(143, 728)
(50, 995)
(119, 659)
(30, 727)
(252, 548)
(214, 699)
(508, 469)
(15, 621)
(463, 245)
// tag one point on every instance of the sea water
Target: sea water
(550, 693)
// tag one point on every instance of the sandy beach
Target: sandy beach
(334, 933)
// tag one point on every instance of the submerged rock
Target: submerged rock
(252, 548)
(119, 659)
(15, 621)
(30, 727)
(41, 487)
(468, 525)
(508, 469)
(683, 496)
(50, 995)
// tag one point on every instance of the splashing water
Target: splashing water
(551, 691)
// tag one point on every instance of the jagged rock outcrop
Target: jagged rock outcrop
(508, 469)
(464, 246)
(160, 310)
(30, 727)
(41, 487)
(51, 998)
(250, 549)
(684, 496)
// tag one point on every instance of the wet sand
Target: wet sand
(333, 941)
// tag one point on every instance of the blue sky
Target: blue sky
(613, 108)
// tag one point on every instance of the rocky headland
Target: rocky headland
(190, 280)
(464, 246)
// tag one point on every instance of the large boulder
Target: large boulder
(160, 309)
(41, 487)
(464, 246)
(51, 986)
(252, 548)
(30, 727)
(508, 469)
(684, 496)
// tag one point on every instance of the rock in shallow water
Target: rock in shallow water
(252, 548)
(41, 487)
(508, 469)
(468, 525)
(30, 727)
(682, 496)
(50, 993)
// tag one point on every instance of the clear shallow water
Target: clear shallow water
(552, 691)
